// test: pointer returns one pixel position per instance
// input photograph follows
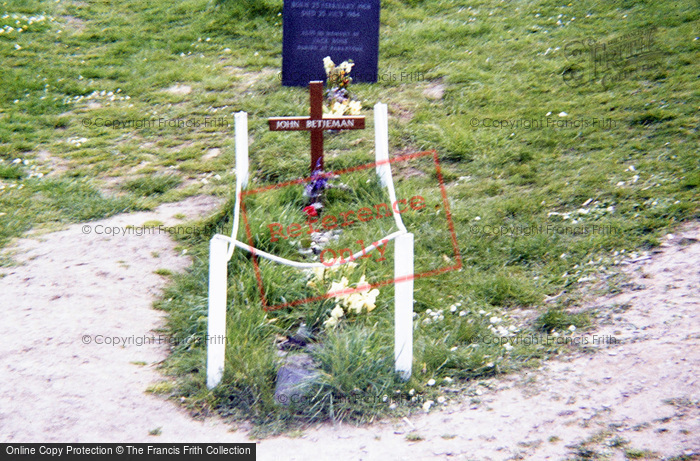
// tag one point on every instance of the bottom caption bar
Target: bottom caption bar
(127, 451)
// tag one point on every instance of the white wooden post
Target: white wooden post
(403, 305)
(216, 328)
(241, 120)
(381, 143)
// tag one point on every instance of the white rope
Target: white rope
(287, 262)
(392, 198)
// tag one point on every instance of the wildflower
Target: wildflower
(337, 312)
(441, 399)
(507, 347)
(346, 66)
(318, 272)
(411, 392)
(339, 287)
(572, 327)
(331, 322)
(354, 107)
(431, 382)
(427, 405)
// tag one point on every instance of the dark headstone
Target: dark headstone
(341, 29)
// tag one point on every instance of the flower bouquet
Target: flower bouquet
(339, 101)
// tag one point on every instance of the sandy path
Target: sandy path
(55, 388)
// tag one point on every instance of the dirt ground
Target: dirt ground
(73, 290)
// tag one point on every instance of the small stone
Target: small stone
(293, 379)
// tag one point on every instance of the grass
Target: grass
(152, 185)
(521, 197)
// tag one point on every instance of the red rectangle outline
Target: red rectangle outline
(400, 158)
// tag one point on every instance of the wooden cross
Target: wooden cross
(316, 124)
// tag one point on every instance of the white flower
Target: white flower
(362, 283)
(507, 346)
(338, 287)
(354, 107)
(337, 312)
(411, 392)
(441, 399)
(453, 308)
(572, 327)
(427, 405)
(346, 66)
(462, 313)
(563, 114)
(318, 272)
(331, 322)
(431, 382)
(328, 64)
(495, 320)
(448, 380)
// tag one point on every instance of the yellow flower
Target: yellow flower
(339, 286)
(346, 67)
(370, 300)
(337, 312)
(354, 303)
(331, 322)
(354, 107)
(318, 273)
(362, 283)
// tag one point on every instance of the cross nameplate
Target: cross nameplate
(316, 124)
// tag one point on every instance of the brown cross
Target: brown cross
(316, 124)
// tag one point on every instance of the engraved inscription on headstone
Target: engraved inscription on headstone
(341, 29)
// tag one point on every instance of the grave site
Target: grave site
(409, 229)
